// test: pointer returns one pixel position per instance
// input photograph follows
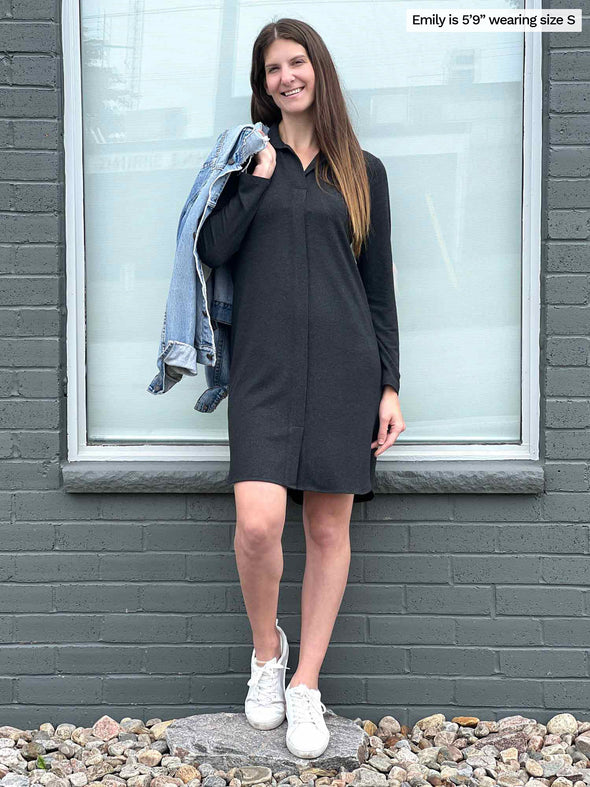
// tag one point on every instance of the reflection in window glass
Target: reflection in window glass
(442, 111)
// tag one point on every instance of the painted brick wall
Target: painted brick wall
(130, 604)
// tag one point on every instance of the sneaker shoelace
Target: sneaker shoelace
(265, 680)
(306, 706)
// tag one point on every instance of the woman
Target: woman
(314, 371)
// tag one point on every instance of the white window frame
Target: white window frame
(78, 450)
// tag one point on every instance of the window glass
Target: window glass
(442, 111)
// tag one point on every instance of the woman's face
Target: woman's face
(287, 66)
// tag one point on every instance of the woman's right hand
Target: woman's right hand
(266, 160)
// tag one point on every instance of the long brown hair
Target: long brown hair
(345, 166)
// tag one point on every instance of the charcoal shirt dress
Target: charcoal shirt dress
(314, 334)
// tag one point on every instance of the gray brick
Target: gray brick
(28, 414)
(58, 689)
(22, 227)
(449, 600)
(7, 258)
(144, 628)
(42, 383)
(566, 477)
(545, 539)
(140, 507)
(407, 568)
(25, 598)
(6, 447)
(25, 536)
(6, 134)
(34, 259)
(570, 694)
(56, 628)
(29, 352)
(452, 661)
(27, 659)
(567, 193)
(569, 161)
(570, 570)
(569, 129)
(359, 598)
(35, 9)
(410, 629)
(569, 97)
(183, 597)
(410, 690)
(36, 197)
(34, 70)
(569, 224)
(8, 384)
(6, 690)
(568, 351)
(109, 537)
(188, 535)
(48, 506)
(571, 65)
(543, 601)
(159, 689)
(97, 597)
(492, 569)
(495, 632)
(17, 474)
(39, 134)
(409, 507)
(583, 4)
(378, 537)
(53, 566)
(17, 291)
(27, 102)
(185, 658)
(496, 508)
(568, 631)
(32, 445)
(5, 505)
(360, 660)
(132, 567)
(92, 659)
(214, 507)
(567, 288)
(42, 322)
(450, 538)
(566, 506)
(567, 444)
(27, 37)
(573, 257)
(534, 662)
(568, 382)
(506, 692)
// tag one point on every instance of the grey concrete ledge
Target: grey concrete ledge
(467, 477)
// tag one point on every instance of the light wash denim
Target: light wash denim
(197, 319)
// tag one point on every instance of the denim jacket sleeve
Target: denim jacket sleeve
(375, 265)
(222, 233)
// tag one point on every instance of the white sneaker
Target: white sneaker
(265, 703)
(307, 734)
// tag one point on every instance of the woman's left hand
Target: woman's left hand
(390, 414)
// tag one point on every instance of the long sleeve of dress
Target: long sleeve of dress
(375, 265)
(225, 227)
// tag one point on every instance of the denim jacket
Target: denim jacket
(197, 319)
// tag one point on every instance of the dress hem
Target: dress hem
(293, 491)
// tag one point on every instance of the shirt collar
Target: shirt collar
(277, 142)
(274, 136)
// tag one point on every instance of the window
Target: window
(454, 117)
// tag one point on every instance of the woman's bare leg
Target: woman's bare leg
(260, 519)
(326, 520)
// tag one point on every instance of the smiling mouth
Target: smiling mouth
(295, 92)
